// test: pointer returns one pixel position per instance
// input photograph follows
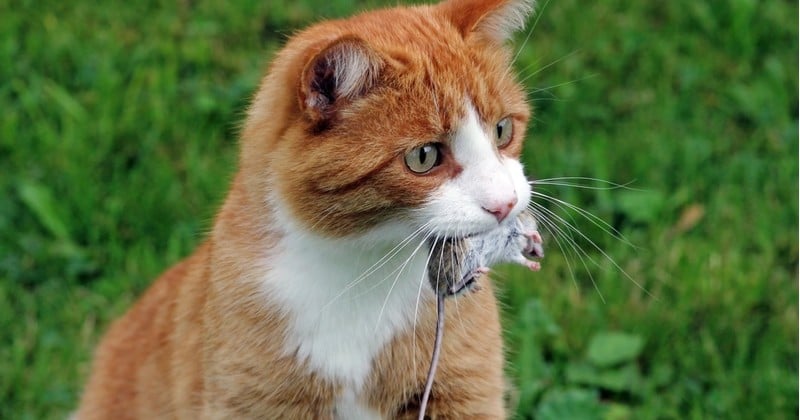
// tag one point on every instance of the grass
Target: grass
(118, 138)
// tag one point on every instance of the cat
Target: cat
(309, 298)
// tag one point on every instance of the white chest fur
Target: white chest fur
(346, 300)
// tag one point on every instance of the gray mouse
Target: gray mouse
(456, 263)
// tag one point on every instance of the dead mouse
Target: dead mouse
(456, 263)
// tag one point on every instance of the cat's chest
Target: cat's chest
(344, 304)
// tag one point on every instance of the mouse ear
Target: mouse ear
(339, 73)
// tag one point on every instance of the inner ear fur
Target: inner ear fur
(340, 72)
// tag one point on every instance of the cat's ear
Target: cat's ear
(337, 74)
(495, 20)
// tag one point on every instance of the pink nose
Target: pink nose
(501, 210)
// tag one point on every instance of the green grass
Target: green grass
(118, 137)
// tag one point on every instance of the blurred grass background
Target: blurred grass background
(118, 137)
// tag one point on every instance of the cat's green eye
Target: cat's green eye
(505, 131)
(423, 158)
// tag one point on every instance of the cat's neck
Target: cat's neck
(343, 299)
(346, 297)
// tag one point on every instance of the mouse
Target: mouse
(456, 263)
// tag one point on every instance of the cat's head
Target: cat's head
(399, 117)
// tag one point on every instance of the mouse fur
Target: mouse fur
(456, 263)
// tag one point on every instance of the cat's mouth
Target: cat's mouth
(483, 232)
(462, 236)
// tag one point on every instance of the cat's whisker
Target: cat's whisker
(547, 225)
(564, 181)
(551, 96)
(397, 269)
(568, 234)
(548, 88)
(585, 187)
(598, 248)
(460, 263)
(545, 67)
(553, 99)
(576, 249)
(597, 221)
(393, 252)
(530, 31)
(511, 72)
(577, 178)
(570, 185)
(323, 217)
(377, 265)
(560, 239)
(422, 282)
(439, 270)
(435, 98)
(397, 277)
(389, 255)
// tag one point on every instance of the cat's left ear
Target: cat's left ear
(495, 20)
(337, 74)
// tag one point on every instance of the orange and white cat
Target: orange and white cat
(310, 297)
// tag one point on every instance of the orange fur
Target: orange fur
(205, 341)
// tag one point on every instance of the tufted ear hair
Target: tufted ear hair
(337, 74)
(496, 20)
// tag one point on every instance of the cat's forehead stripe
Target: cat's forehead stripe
(471, 144)
(486, 87)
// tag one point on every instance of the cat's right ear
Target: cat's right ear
(495, 20)
(337, 74)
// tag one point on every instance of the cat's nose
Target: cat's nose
(501, 210)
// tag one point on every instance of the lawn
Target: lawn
(118, 138)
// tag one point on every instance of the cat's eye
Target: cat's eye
(423, 158)
(505, 131)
